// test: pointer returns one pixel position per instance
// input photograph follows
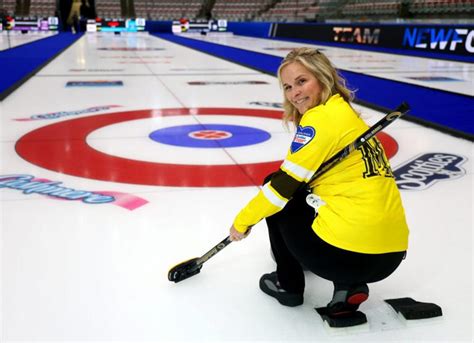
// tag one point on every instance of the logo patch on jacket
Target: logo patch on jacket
(303, 136)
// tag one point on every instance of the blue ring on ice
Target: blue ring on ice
(210, 136)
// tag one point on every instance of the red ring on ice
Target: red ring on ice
(62, 147)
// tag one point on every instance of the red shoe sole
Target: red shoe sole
(357, 298)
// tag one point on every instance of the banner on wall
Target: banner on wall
(186, 25)
(116, 25)
(26, 24)
(456, 40)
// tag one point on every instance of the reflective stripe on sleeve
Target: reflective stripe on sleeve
(272, 195)
(296, 171)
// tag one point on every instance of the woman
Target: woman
(359, 234)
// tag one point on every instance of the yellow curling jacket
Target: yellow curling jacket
(363, 210)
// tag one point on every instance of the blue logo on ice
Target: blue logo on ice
(303, 136)
(427, 169)
(210, 136)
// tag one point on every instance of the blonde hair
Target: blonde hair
(319, 65)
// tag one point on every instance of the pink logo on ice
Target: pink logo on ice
(31, 185)
(125, 200)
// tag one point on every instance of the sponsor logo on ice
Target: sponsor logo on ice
(98, 83)
(427, 169)
(56, 115)
(30, 184)
(267, 104)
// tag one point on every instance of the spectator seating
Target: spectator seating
(384, 8)
(288, 10)
(8, 6)
(108, 8)
(167, 9)
(306, 10)
(323, 9)
(42, 8)
(239, 10)
(442, 6)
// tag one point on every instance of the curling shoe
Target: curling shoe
(348, 300)
(269, 285)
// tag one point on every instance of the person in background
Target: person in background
(358, 233)
(74, 15)
(86, 10)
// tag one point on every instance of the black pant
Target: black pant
(295, 244)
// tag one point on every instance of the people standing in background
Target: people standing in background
(74, 16)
